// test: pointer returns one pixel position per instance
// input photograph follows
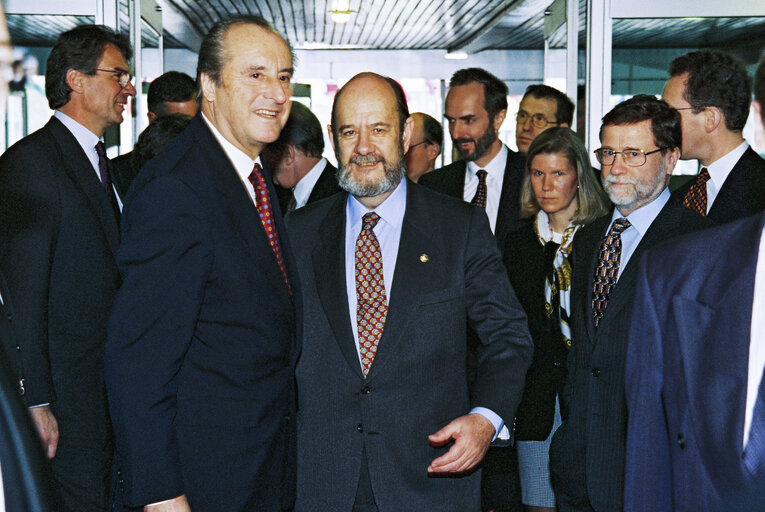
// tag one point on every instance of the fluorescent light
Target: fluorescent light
(456, 55)
(340, 16)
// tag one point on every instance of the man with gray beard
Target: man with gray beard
(640, 146)
(384, 407)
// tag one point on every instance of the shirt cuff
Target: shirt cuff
(38, 405)
(493, 418)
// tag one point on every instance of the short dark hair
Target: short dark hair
(156, 136)
(302, 130)
(80, 48)
(564, 107)
(402, 108)
(433, 132)
(759, 86)
(494, 89)
(716, 80)
(593, 201)
(665, 120)
(212, 52)
(172, 86)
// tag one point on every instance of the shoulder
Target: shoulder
(751, 161)
(310, 217)
(676, 219)
(521, 240)
(440, 178)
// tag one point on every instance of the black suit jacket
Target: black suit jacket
(21, 458)
(325, 186)
(588, 450)
(450, 180)
(687, 370)
(60, 239)
(448, 270)
(201, 350)
(742, 193)
(122, 171)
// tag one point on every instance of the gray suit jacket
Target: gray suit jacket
(418, 381)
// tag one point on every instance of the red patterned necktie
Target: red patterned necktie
(696, 197)
(263, 203)
(479, 199)
(106, 179)
(608, 268)
(372, 307)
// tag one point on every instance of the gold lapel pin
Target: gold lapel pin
(424, 258)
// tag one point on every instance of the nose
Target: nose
(363, 143)
(528, 124)
(130, 89)
(546, 182)
(456, 130)
(618, 167)
(277, 91)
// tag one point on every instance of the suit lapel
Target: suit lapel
(508, 210)
(728, 204)
(241, 210)
(410, 278)
(329, 270)
(81, 172)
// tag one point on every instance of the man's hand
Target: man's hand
(179, 504)
(47, 428)
(471, 434)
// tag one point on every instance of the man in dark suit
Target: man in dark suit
(476, 106)
(694, 371)
(60, 211)
(390, 272)
(201, 349)
(300, 173)
(171, 93)
(712, 92)
(640, 146)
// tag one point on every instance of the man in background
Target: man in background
(541, 107)
(427, 140)
(300, 172)
(712, 92)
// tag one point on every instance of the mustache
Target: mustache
(613, 180)
(463, 141)
(366, 159)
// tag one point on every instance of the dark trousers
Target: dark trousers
(500, 481)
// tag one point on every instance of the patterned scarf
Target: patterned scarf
(558, 281)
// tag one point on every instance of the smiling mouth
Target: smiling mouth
(270, 114)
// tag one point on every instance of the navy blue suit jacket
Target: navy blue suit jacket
(201, 348)
(687, 360)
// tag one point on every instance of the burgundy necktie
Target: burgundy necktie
(696, 197)
(608, 268)
(106, 179)
(479, 199)
(263, 203)
(372, 306)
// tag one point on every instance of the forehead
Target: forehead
(674, 90)
(532, 105)
(247, 44)
(551, 160)
(465, 99)
(112, 58)
(635, 136)
(366, 99)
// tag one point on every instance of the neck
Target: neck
(208, 109)
(490, 154)
(720, 145)
(72, 110)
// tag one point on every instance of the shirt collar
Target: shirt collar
(642, 218)
(494, 168)
(85, 137)
(304, 187)
(391, 211)
(239, 159)
(721, 168)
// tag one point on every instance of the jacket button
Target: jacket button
(595, 372)
(366, 390)
(681, 441)
(360, 427)
(557, 364)
(9, 317)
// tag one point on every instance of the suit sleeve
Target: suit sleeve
(647, 484)
(30, 212)
(165, 261)
(505, 350)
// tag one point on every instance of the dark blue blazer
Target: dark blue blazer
(201, 348)
(687, 366)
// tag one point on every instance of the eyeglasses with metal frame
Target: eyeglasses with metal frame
(123, 77)
(631, 157)
(538, 120)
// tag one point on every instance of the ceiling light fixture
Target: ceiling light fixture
(456, 55)
(341, 12)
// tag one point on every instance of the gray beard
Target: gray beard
(392, 177)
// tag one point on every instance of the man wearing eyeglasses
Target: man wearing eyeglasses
(712, 91)
(640, 146)
(60, 215)
(428, 138)
(541, 107)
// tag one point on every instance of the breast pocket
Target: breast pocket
(441, 296)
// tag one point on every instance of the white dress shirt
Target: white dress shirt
(494, 178)
(756, 340)
(87, 141)
(640, 220)
(388, 233)
(304, 187)
(719, 171)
